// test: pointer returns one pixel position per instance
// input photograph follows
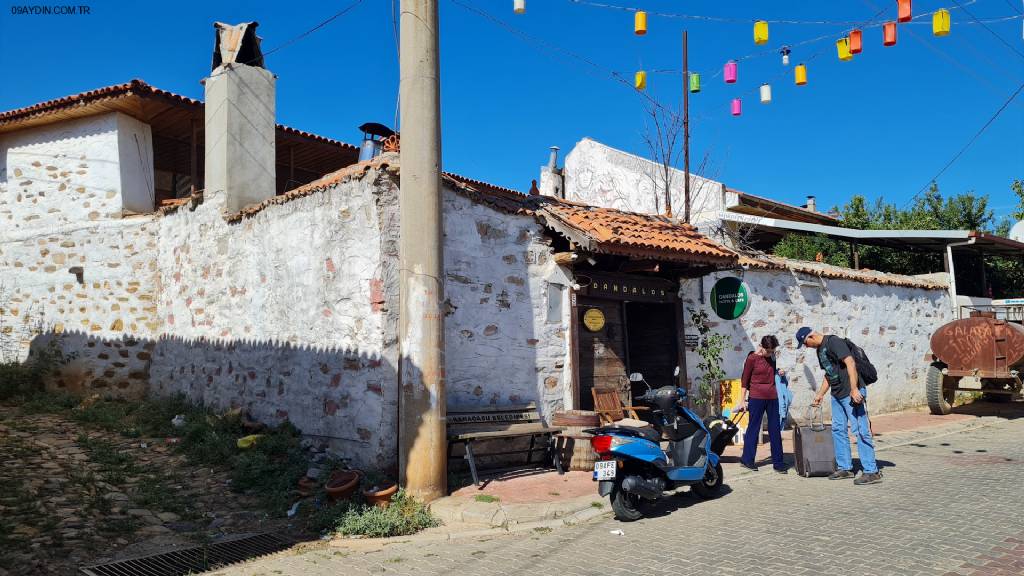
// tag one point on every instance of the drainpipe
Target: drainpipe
(952, 273)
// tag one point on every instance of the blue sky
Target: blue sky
(880, 125)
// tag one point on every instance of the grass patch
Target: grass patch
(596, 504)
(115, 466)
(486, 498)
(542, 529)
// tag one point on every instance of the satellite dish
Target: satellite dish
(1017, 232)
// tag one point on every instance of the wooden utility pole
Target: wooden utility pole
(686, 133)
(422, 454)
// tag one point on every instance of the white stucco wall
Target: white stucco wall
(892, 324)
(600, 175)
(289, 313)
(74, 171)
(501, 344)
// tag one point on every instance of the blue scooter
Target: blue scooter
(633, 468)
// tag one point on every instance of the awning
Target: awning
(963, 241)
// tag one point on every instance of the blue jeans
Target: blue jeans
(757, 408)
(844, 414)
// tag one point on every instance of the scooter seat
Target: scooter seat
(646, 432)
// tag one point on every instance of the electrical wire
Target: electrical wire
(299, 37)
(991, 31)
(968, 145)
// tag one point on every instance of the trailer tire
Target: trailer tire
(939, 389)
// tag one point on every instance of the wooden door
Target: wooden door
(602, 352)
(652, 343)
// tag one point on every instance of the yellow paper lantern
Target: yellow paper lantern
(843, 48)
(800, 74)
(940, 22)
(519, 6)
(760, 32)
(640, 23)
(640, 80)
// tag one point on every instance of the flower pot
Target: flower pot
(381, 494)
(342, 484)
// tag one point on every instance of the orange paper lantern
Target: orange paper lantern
(856, 42)
(903, 11)
(889, 34)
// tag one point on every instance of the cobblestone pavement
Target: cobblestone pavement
(948, 505)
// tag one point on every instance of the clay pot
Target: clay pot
(380, 495)
(342, 484)
(306, 486)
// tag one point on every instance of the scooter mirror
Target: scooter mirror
(636, 377)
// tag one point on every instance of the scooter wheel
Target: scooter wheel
(711, 485)
(625, 505)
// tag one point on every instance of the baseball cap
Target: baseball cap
(802, 335)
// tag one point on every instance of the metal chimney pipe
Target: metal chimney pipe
(811, 204)
(553, 159)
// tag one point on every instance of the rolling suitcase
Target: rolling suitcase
(813, 449)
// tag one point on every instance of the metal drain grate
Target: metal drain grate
(193, 560)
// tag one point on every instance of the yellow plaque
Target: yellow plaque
(593, 319)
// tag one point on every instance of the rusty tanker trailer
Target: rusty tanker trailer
(980, 354)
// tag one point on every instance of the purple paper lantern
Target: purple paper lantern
(730, 72)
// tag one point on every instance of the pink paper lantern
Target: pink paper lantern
(730, 72)
(737, 107)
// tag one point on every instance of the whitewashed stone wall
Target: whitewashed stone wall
(892, 324)
(604, 176)
(82, 170)
(506, 336)
(105, 318)
(289, 313)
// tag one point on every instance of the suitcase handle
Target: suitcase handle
(809, 415)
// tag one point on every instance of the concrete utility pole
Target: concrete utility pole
(422, 454)
(686, 131)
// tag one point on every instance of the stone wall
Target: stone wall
(289, 313)
(74, 172)
(892, 324)
(93, 282)
(506, 338)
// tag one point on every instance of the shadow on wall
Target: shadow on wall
(346, 399)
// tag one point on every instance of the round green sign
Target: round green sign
(729, 298)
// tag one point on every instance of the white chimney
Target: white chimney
(811, 204)
(240, 126)
(551, 177)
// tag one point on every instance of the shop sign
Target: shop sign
(730, 298)
(635, 289)
(593, 319)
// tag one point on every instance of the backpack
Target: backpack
(865, 369)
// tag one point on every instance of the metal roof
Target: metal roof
(919, 240)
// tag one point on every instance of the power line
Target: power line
(968, 145)
(301, 36)
(991, 31)
(1012, 5)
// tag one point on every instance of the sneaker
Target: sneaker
(841, 475)
(873, 478)
(782, 470)
(748, 466)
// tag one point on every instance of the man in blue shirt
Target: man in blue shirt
(849, 404)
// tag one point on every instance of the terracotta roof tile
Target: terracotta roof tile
(766, 262)
(605, 230)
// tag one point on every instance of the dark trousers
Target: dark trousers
(758, 408)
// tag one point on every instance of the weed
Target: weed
(477, 553)
(486, 498)
(48, 403)
(117, 526)
(404, 516)
(553, 494)
(395, 560)
(542, 529)
(597, 505)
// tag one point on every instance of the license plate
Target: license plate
(605, 470)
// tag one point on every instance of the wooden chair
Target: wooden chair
(610, 408)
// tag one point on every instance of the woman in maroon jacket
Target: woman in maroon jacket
(760, 398)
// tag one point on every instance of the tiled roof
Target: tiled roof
(823, 270)
(134, 87)
(604, 230)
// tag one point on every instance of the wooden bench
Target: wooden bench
(468, 425)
